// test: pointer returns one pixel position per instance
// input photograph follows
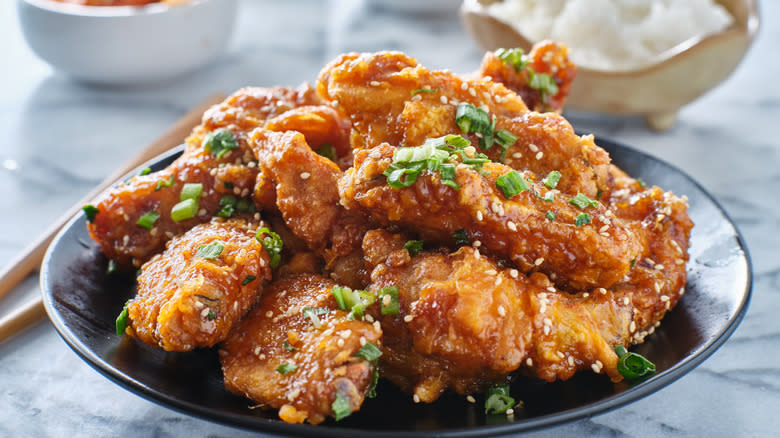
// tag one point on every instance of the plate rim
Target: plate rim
(641, 390)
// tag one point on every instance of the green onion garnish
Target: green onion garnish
(513, 57)
(211, 315)
(374, 380)
(220, 142)
(228, 204)
(245, 205)
(582, 219)
(447, 173)
(312, 312)
(544, 83)
(498, 400)
(552, 178)
(286, 368)
(211, 251)
(550, 216)
(511, 184)
(112, 268)
(122, 319)
(327, 151)
(272, 243)
(388, 300)
(161, 184)
(90, 211)
(400, 178)
(248, 279)
(633, 366)
(369, 352)
(582, 202)
(641, 182)
(469, 118)
(191, 191)
(228, 185)
(461, 237)
(186, 209)
(425, 90)
(341, 407)
(145, 171)
(633, 262)
(147, 220)
(414, 247)
(355, 301)
(288, 347)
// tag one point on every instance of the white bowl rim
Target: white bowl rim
(108, 11)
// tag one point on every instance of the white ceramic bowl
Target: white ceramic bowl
(126, 44)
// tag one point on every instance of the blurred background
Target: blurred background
(62, 136)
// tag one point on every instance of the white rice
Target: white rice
(613, 34)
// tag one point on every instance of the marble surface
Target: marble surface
(60, 138)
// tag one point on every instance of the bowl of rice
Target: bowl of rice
(647, 57)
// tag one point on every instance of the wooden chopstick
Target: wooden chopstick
(30, 259)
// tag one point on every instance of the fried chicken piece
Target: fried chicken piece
(114, 227)
(321, 348)
(546, 57)
(188, 298)
(303, 186)
(465, 323)
(596, 254)
(380, 94)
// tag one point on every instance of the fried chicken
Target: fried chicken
(380, 93)
(188, 297)
(319, 352)
(465, 323)
(596, 254)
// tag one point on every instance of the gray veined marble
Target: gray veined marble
(60, 138)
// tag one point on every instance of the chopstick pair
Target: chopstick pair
(30, 259)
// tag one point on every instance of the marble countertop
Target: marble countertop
(61, 138)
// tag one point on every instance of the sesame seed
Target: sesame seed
(169, 234)
(533, 147)
(235, 305)
(125, 239)
(664, 298)
(585, 295)
(470, 399)
(335, 103)
(491, 272)
(560, 355)
(269, 314)
(529, 362)
(408, 318)
(626, 301)
(416, 98)
(369, 318)
(477, 244)
(571, 361)
(416, 397)
(305, 175)
(377, 326)
(539, 155)
(602, 291)
(386, 300)
(501, 310)
(443, 99)
(604, 228)
(511, 225)
(464, 86)
(595, 368)
(510, 411)
(251, 164)
(632, 327)
(244, 192)
(374, 83)
(546, 330)
(679, 261)
(153, 232)
(257, 216)
(205, 312)
(513, 273)
(202, 212)
(340, 342)
(539, 261)
(213, 172)
(472, 92)
(550, 288)
(659, 267)
(236, 190)
(604, 234)
(517, 155)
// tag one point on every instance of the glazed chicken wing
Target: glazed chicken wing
(199, 287)
(296, 352)
(380, 93)
(465, 323)
(594, 254)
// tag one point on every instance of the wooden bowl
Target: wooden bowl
(680, 75)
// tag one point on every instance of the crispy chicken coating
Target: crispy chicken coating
(189, 299)
(596, 254)
(546, 57)
(380, 94)
(319, 352)
(465, 323)
(303, 186)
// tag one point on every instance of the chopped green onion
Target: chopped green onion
(90, 211)
(498, 400)
(599, 194)
(550, 216)
(245, 205)
(461, 237)
(112, 268)
(145, 171)
(633, 262)
(552, 178)
(211, 251)
(286, 368)
(355, 301)
(228, 204)
(228, 185)
(312, 312)
(161, 184)
(327, 151)
(400, 178)
(211, 315)
(341, 294)
(369, 352)
(544, 83)
(122, 319)
(469, 118)
(191, 191)
(447, 172)
(374, 380)
(582, 219)
(388, 301)
(513, 57)
(414, 247)
(641, 182)
(511, 184)
(288, 347)
(341, 407)
(220, 142)
(549, 196)
(147, 220)
(248, 279)
(633, 366)
(505, 139)
(582, 202)
(425, 90)
(186, 209)
(272, 243)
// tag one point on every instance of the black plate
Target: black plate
(83, 302)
